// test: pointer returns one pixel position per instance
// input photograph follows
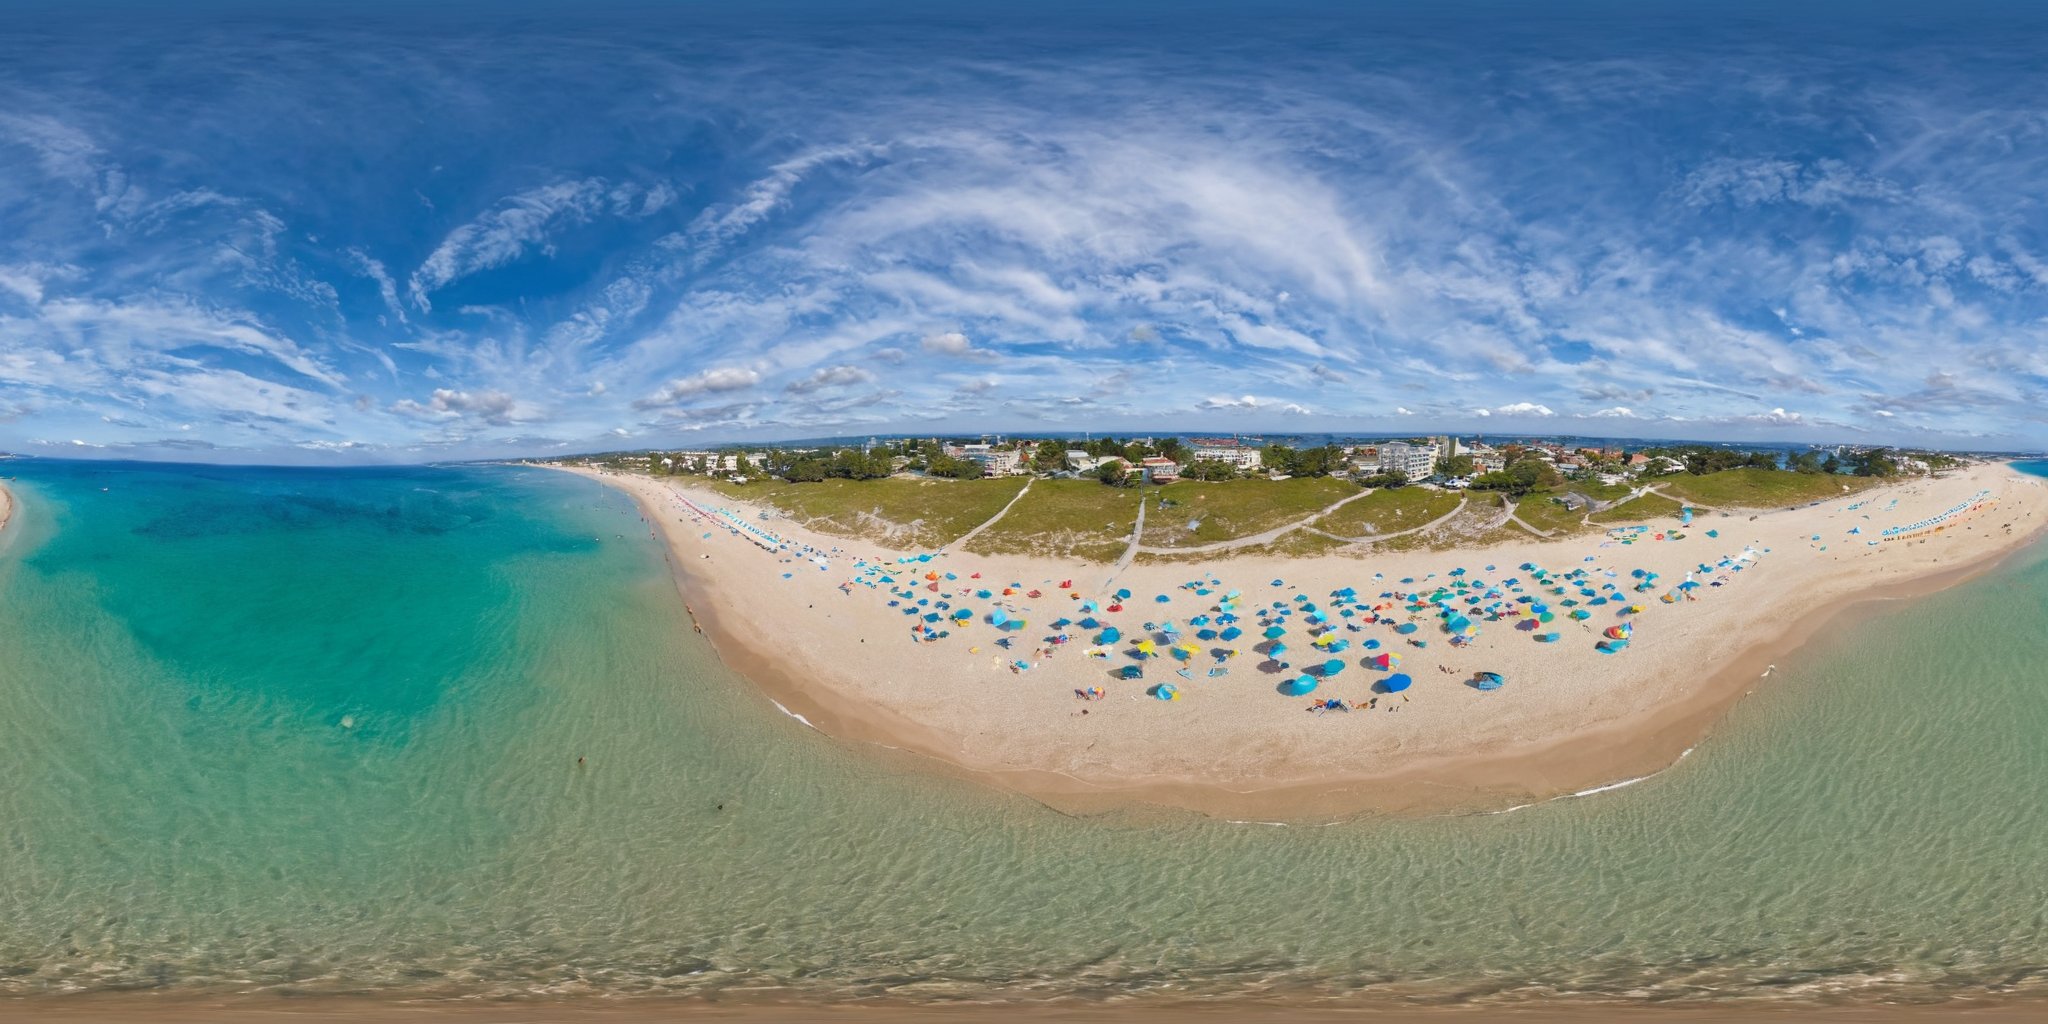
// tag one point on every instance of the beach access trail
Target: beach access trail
(1266, 536)
(961, 541)
(842, 632)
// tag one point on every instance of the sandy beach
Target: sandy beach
(812, 624)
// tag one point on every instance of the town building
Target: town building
(1240, 457)
(1160, 469)
(1414, 461)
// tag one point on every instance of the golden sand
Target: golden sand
(1570, 718)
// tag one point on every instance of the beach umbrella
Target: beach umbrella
(1274, 633)
(1231, 633)
(1332, 667)
(1166, 691)
(1298, 685)
(1548, 638)
(1396, 683)
(1206, 634)
(998, 617)
(1487, 681)
(1277, 649)
(1123, 595)
(1162, 599)
(1109, 636)
(1371, 645)
(1405, 628)
(1131, 672)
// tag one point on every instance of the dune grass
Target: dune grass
(1065, 518)
(1389, 511)
(910, 513)
(1759, 488)
(1639, 510)
(1229, 509)
(1544, 513)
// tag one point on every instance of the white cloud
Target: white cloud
(490, 406)
(1617, 412)
(505, 233)
(1248, 403)
(829, 377)
(712, 381)
(1524, 409)
(953, 343)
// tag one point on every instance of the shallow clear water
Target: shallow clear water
(316, 731)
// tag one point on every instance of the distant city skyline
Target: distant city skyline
(427, 235)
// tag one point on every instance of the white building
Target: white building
(994, 461)
(1236, 456)
(1415, 461)
(1485, 459)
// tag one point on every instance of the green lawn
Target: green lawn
(1228, 509)
(1543, 513)
(1389, 511)
(906, 512)
(1065, 518)
(1758, 488)
(1640, 510)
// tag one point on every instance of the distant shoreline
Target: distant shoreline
(1597, 730)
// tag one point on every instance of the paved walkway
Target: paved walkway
(961, 541)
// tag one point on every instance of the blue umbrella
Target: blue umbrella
(1274, 633)
(1396, 683)
(1405, 628)
(1332, 667)
(1298, 685)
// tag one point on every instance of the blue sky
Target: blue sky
(383, 235)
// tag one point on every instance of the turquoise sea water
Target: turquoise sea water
(306, 732)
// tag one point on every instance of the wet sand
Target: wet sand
(1631, 724)
(121, 1009)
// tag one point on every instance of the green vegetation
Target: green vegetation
(1236, 508)
(1064, 518)
(1759, 488)
(1640, 510)
(1402, 508)
(1545, 512)
(1321, 461)
(905, 512)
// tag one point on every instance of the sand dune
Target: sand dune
(1569, 718)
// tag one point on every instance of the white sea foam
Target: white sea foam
(792, 714)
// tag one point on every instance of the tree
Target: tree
(1050, 456)
(1389, 479)
(1873, 462)
(1804, 462)
(1456, 465)
(1277, 457)
(952, 468)
(1518, 479)
(1208, 469)
(1174, 448)
(1115, 474)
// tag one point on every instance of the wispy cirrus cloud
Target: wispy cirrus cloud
(568, 233)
